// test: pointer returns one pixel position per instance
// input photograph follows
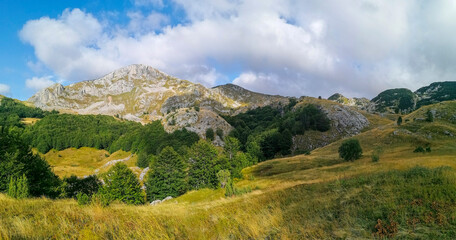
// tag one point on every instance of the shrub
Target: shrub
(399, 120)
(229, 188)
(375, 157)
(429, 116)
(82, 198)
(18, 187)
(73, 185)
(223, 177)
(419, 149)
(428, 149)
(376, 154)
(350, 150)
(219, 133)
(210, 134)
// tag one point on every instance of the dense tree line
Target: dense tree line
(103, 132)
(268, 131)
(64, 131)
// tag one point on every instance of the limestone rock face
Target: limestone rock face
(361, 103)
(142, 93)
(345, 122)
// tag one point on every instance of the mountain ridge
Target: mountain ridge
(402, 100)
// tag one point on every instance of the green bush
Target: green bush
(399, 120)
(229, 188)
(82, 198)
(223, 177)
(210, 134)
(376, 154)
(73, 185)
(375, 157)
(350, 150)
(18, 187)
(219, 133)
(429, 116)
(419, 149)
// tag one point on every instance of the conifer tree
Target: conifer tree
(399, 120)
(121, 184)
(167, 176)
(12, 188)
(202, 165)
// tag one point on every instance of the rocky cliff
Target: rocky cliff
(142, 93)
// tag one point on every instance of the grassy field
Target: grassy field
(84, 161)
(404, 195)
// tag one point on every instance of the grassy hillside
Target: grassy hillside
(319, 196)
(84, 161)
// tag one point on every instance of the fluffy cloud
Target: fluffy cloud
(4, 89)
(38, 83)
(280, 47)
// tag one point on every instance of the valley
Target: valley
(282, 156)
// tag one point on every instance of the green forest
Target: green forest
(179, 161)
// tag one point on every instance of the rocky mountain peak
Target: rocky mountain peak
(135, 71)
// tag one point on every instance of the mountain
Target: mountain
(402, 100)
(361, 103)
(395, 100)
(142, 93)
(436, 92)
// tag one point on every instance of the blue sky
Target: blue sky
(287, 47)
(14, 14)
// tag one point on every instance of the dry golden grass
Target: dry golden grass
(83, 161)
(29, 121)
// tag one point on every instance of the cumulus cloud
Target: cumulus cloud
(5, 89)
(284, 47)
(38, 83)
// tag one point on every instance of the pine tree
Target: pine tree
(399, 120)
(167, 176)
(12, 188)
(22, 187)
(229, 188)
(202, 165)
(18, 187)
(121, 184)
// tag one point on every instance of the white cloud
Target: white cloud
(284, 47)
(38, 83)
(5, 89)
